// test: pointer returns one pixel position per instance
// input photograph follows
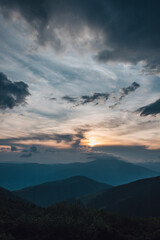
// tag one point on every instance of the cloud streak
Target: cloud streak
(73, 139)
(85, 99)
(99, 98)
(125, 91)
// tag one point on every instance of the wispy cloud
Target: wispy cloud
(125, 92)
(95, 98)
(99, 98)
(73, 139)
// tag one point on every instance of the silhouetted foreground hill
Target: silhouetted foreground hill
(12, 203)
(5, 194)
(110, 170)
(140, 198)
(19, 221)
(51, 192)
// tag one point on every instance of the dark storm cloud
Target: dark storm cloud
(98, 98)
(130, 29)
(12, 93)
(151, 109)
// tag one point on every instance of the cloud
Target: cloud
(79, 136)
(33, 149)
(85, 99)
(4, 148)
(151, 109)
(73, 139)
(98, 98)
(41, 137)
(25, 150)
(125, 91)
(69, 99)
(12, 94)
(13, 149)
(26, 155)
(129, 29)
(53, 98)
(131, 153)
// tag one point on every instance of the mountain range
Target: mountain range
(109, 170)
(154, 166)
(140, 198)
(63, 190)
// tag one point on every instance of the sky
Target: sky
(79, 78)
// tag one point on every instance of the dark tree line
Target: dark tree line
(20, 221)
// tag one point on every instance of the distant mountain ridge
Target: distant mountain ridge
(154, 166)
(52, 192)
(110, 170)
(140, 198)
(136, 199)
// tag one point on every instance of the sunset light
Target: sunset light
(79, 119)
(92, 143)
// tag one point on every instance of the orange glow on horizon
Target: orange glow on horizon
(5, 148)
(92, 142)
(49, 143)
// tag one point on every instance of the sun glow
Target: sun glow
(92, 143)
